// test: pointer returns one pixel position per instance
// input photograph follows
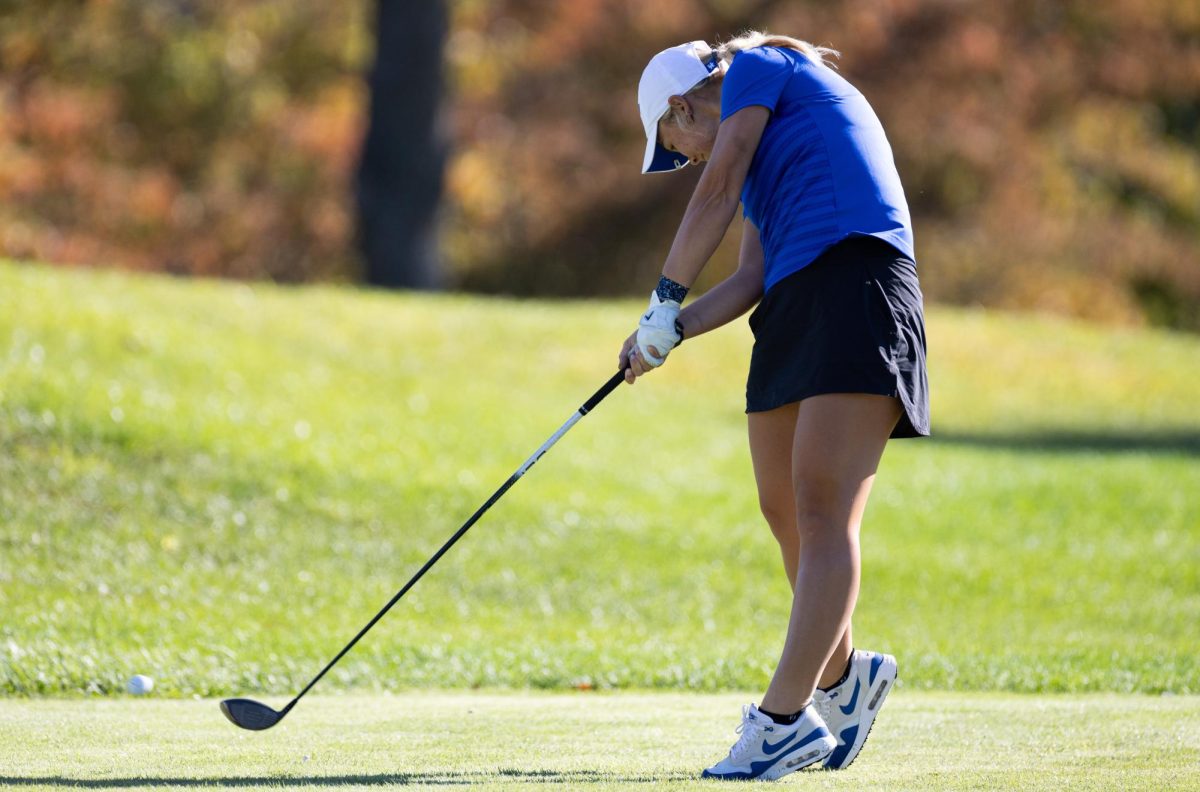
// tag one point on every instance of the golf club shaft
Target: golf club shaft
(587, 407)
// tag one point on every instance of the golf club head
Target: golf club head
(250, 714)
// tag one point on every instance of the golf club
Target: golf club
(255, 716)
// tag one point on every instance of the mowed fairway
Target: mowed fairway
(923, 742)
(217, 484)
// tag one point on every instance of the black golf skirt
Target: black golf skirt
(852, 321)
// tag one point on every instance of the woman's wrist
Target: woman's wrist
(668, 289)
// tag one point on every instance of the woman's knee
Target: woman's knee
(823, 504)
(827, 528)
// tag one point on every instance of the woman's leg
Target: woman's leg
(837, 442)
(771, 436)
(771, 440)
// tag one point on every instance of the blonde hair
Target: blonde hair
(760, 38)
(748, 40)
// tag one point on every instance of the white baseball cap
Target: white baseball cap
(672, 72)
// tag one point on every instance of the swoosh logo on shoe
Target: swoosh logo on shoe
(769, 749)
(760, 767)
(849, 706)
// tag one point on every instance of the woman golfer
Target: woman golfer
(838, 365)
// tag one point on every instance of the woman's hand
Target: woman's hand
(630, 362)
(658, 331)
(657, 334)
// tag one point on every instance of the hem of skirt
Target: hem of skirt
(906, 427)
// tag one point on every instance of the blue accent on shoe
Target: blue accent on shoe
(842, 751)
(770, 749)
(758, 768)
(876, 662)
(848, 708)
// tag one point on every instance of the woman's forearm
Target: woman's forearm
(701, 231)
(721, 304)
(717, 194)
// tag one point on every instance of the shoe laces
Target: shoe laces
(748, 729)
(824, 704)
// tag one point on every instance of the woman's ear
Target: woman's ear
(681, 106)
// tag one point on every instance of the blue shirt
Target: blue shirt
(823, 170)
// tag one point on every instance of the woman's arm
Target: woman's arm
(717, 194)
(721, 304)
(733, 296)
(709, 212)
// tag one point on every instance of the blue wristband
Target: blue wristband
(668, 289)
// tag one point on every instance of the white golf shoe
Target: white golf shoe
(767, 750)
(849, 709)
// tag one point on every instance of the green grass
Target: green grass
(924, 742)
(217, 484)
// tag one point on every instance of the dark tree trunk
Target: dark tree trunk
(400, 173)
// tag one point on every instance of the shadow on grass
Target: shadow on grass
(1089, 441)
(445, 778)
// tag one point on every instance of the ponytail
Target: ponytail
(749, 40)
(760, 38)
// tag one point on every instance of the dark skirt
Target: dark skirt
(850, 322)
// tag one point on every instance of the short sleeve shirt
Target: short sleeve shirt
(823, 170)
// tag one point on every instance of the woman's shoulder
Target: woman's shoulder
(804, 77)
(762, 56)
(751, 66)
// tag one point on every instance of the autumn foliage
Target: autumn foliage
(1050, 150)
(207, 138)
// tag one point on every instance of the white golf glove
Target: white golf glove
(658, 329)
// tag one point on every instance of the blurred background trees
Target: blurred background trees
(1050, 150)
(400, 171)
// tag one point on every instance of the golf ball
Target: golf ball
(139, 684)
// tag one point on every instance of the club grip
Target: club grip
(599, 395)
